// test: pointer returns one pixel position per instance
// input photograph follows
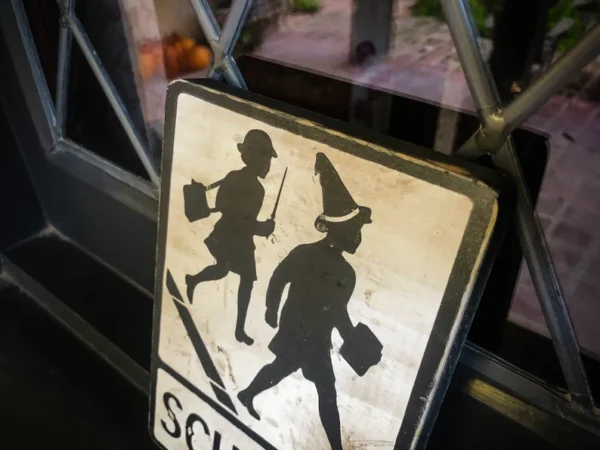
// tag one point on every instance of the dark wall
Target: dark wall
(20, 211)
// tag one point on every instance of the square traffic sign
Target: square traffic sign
(313, 286)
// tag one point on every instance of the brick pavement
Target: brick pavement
(422, 63)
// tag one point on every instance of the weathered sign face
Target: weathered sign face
(310, 285)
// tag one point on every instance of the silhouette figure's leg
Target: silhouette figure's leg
(266, 378)
(244, 294)
(211, 273)
(330, 416)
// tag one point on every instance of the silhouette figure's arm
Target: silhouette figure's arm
(264, 229)
(344, 325)
(252, 204)
(280, 278)
(215, 185)
(342, 320)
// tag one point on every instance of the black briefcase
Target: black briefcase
(194, 199)
(362, 350)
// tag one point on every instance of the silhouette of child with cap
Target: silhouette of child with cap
(239, 200)
(321, 284)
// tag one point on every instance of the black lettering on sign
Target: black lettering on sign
(189, 429)
(174, 429)
(167, 397)
(217, 442)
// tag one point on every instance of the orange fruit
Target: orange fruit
(170, 39)
(178, 47)
(199, 57)
(187, 43)
(181, 56)
(171, 62)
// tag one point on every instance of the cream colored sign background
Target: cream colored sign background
(402, 267)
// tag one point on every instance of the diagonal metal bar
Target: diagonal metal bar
(536, 95)
(207, 20)
(547, 286)
(496, 127)
(476, 70)
(233, 25)
(112, 95)
(33, 58)
(223, 43)
(531, 235)
(236, 70)
(64, 62)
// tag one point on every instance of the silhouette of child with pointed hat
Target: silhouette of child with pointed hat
(239, 200)
(321, 284)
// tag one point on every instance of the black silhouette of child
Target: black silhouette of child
(239, 200)
(321, 284)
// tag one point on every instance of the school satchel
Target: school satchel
(195, 201)
(362, 350)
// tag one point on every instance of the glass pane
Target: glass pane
(91, 121)
(569, 208)
(89, 111)
(168, 43)
(165, 38)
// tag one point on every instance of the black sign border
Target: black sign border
(484, 188)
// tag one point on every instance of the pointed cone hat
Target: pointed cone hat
(338, 204)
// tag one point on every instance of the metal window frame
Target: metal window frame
(75, 29)
(493, 137)
(129, 189)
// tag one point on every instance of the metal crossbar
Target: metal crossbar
(223, 43)
(494, 138)
(71, 26)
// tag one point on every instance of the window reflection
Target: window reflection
(413, 56)
(399, 48)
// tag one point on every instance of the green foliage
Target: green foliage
(481, 9)
(565, 9)
(306, 6)
(428, 8)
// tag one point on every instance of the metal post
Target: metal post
(207, 20)
(531, 236)
(112, 95)
(64, 63)
(458, 16)
(233, 24)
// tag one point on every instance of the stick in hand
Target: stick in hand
(278, 195)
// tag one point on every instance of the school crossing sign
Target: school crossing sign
(313, 288)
